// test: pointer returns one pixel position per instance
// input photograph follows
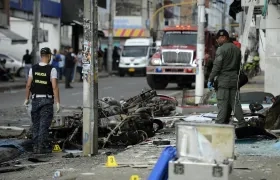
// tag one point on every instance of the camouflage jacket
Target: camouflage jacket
(226, 66)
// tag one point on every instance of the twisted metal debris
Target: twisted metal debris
(120, 123)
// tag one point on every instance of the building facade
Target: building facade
(72, 22)
(129, 21)
(6, 35)
(21, 22)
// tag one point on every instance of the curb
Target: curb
(9, 88)
(21, 86)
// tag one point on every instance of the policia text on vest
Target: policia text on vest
(40, 81)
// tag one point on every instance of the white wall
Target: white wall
(24, 29)
(215, 16)
(272, 51)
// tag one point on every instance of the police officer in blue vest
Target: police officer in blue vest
(43, 87)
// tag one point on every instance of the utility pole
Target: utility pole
(90, 76)
(199, 82)
(94, 59)
(148, 9)
(35, 30)
(110, 36)
(224, 15)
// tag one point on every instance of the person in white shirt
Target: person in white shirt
(43, 87)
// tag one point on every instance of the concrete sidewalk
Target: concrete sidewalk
(19, 83)
(136, 160)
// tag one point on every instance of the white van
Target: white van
(135, 56)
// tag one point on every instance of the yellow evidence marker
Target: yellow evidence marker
(134, 177)
(111, 162)
(56, 148)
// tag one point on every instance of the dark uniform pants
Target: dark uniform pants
(228, 100)
(42, 116)
(68, 76)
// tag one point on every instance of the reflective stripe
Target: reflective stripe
(41, 96)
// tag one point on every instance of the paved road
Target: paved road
(112, 86)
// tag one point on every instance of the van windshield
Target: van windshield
(182, 38)
(135, 51)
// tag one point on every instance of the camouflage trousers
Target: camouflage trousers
(228, 100)
(42, 116)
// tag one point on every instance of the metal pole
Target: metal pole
(87, 98)
(148, 9)
(199, 83)
(110, 37)
(35, 30)
(90, 76)
(94, 59)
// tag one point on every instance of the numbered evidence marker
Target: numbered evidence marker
(111, 162)
(134, 177)
(56, 148)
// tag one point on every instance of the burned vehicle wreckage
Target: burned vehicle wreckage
(131, 121)
(123, 123)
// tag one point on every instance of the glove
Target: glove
(26, 102)
(210, 85)
(57, 107)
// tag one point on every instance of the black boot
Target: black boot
(44, 149)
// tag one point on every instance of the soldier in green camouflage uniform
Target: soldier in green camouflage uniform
(226, 68)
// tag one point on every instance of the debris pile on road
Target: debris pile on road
(123, 123)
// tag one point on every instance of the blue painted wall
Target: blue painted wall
(48, 7)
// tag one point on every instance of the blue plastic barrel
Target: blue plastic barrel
(160, 170)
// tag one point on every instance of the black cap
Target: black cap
(222, 32)
(46, 50)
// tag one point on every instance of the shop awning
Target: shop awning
(127, 33)
(14, 37)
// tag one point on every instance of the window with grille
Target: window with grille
(128, 8)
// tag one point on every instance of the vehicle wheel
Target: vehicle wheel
(156, 83)
(121, 73)
(20, 72)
